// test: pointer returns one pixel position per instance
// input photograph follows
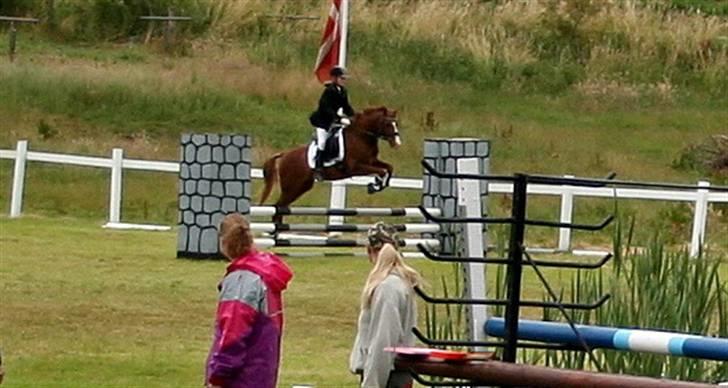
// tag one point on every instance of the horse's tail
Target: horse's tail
(270, 175)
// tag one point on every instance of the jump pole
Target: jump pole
(635, 340)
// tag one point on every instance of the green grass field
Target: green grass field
(558, 87)
(86, 306)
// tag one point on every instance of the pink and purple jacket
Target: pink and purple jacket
(246, 348)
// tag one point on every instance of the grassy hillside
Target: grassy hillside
(571, 87)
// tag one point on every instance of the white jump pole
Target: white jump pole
(270, 227)
(408, 212)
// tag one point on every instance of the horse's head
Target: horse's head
(381, 123)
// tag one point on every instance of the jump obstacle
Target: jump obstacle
(562, 334)
(636, 340)
(215, 179)
(555, 335)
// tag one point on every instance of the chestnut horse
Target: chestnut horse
(361, 139)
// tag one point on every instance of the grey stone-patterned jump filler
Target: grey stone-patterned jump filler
(214, 179)
(443, 155)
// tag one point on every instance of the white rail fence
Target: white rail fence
(702, 198)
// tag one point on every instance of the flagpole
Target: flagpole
(344, 32)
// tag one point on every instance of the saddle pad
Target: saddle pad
(329, 161)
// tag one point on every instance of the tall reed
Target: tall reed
(653, 287)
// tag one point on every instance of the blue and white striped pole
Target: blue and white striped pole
(661, 342)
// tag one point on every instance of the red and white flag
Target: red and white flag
(329, 54)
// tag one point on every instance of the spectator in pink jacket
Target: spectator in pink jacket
(245, 351)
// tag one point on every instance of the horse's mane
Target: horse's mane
(372, 113)
(380, 109)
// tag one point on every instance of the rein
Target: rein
(376, 135)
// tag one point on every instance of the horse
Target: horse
(361, 143)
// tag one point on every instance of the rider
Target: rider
(333, 105)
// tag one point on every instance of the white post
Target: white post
(567, 212)
(700, 219)
(117, 158)
(344, 31)
(16, 200)
(337, 200)
(469, 200)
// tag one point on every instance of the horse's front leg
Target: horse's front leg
(366, 169)
(390, 170)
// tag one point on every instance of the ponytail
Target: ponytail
(388, 261)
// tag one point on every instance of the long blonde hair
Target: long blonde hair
(388, 261)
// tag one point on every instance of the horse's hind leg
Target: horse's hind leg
(291, 190)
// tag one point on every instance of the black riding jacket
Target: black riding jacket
(333, 98)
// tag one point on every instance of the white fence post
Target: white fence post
(567, 212)
(469, 200)
(117, 160)
(337, 201)
(700, 219)
(16, 201)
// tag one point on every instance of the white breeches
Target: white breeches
(321, 136)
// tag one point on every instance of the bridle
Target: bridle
(395, 136)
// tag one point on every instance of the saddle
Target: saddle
(333, 150)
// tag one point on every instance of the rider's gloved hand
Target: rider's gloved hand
(345, 121)
(340, 112)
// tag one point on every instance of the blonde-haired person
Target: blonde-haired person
(245, 351)
(388, 312)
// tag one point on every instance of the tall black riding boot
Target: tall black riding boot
(318, 170)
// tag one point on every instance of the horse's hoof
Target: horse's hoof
(371, 189)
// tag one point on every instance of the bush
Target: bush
(562, 33)
(108, 20)
(549, 77)
(18, 7)
(711, 7)
(709, 157)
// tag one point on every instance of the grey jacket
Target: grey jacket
(388, 322)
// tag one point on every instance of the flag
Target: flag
(329, 50)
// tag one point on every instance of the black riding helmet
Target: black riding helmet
(338, 71)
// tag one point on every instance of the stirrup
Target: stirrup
(318, 166)
(318, 175)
